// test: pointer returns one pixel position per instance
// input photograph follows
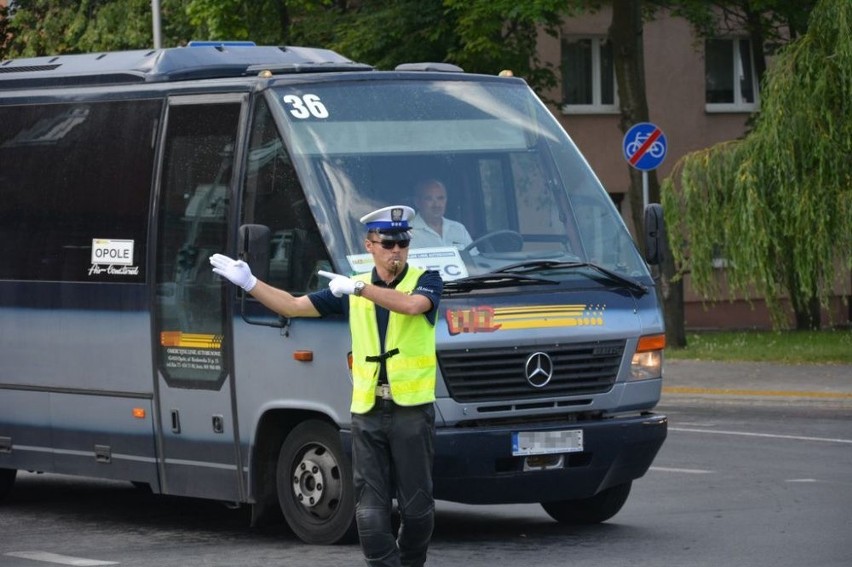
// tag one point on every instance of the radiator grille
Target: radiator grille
(499, 374)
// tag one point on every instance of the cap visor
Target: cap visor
(394, 236)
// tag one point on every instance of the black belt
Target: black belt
(382, 357)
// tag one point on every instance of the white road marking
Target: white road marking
(765, 435)
(688, 471)
(60, 559)
(803, 480)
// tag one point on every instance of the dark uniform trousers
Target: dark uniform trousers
(394, 446)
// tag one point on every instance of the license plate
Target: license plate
(546, 442)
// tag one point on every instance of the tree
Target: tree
(55, 27)
(503, 34)
(626, 36)
(4, 33)
(266, 22)
(479, 35)
(484, 36)
(770, 24)
(777, 204)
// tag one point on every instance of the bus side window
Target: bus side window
(274, 197)
(71, 174)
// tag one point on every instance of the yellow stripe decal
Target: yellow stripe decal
(190, 340)
(486, 319)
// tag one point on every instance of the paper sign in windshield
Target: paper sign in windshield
(445, 260)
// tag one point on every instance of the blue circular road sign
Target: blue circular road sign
(644, 146)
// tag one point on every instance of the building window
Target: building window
(730, 81)
(588, 76)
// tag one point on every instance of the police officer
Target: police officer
(392, 313)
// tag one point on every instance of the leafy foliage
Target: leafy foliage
(502, 34)
(53, 27)
(481, 36)
(777, 20)
(385, 34)
(484, 36)
(777, 204)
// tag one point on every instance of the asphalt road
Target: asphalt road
(755, 472)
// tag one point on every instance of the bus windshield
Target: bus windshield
(513, 187)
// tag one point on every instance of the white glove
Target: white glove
(235, 271)
(339, 285)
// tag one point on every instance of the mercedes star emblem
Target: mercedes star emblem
(539, 369)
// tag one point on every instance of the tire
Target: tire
(314, 479)
(599, 508)
(7, 481)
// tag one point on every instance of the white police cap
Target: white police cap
(391, 222)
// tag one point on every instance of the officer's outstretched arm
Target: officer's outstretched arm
(280, 301)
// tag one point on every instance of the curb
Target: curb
(730, 396)
(691, 390)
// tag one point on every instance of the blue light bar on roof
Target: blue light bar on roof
(196, 43)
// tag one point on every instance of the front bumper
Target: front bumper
(476, 466)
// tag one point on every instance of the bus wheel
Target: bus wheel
(315, 490)
(7, 480)
(599, 508)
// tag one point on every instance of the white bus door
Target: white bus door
(198, 437)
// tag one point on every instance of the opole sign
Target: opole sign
(112, 251)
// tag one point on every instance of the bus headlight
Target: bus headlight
(647, 363)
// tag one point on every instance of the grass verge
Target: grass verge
(787, 347)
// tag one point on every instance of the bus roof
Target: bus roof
(206, 61)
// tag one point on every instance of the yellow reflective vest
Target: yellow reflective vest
(411, 370)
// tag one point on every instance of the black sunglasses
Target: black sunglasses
(389, 244)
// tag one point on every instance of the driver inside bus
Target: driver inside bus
(431, 227)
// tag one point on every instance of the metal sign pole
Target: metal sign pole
(155, 16)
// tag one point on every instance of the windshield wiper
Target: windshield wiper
(537, 265)
(493, 280)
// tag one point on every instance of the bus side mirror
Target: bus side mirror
(253, 246)
(655, 234)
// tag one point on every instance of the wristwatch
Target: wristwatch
(359, 287)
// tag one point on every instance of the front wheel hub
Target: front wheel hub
(308, 483)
